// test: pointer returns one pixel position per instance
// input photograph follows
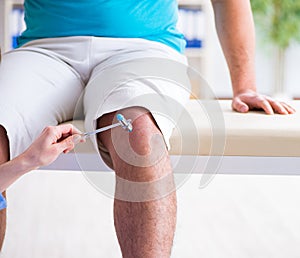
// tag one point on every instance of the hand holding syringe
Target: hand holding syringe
(53, 141)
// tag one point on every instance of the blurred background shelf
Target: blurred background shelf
(7, 22)
(196, 23)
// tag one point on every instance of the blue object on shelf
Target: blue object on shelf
(194, 43)
(14, 41)
(191, 23)
(17, 25)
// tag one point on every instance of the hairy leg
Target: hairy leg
(4, 156)
(145, 199)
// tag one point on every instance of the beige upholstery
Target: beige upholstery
(252, 134)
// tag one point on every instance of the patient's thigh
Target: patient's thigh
(36, 90)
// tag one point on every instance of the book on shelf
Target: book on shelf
(191, 23)
(17, 24)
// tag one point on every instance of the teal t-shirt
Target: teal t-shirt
(148, 19)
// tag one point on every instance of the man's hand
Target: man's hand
(53, 141)
(250, 100)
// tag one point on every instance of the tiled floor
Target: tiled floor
(58, 214)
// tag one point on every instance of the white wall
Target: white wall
(293, 70)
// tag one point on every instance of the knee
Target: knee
(145, 137)
(144, 146)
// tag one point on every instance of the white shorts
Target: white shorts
(49, 81)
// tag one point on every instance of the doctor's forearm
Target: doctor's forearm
(12, 170)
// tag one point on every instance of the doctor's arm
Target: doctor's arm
(53, 141)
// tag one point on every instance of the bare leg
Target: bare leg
(144, 228)
(4, 156)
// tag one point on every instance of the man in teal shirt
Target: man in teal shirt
(144, 229)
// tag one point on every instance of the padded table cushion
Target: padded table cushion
(251, 134)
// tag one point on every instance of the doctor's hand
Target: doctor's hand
(251, 100)
(53, 141)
